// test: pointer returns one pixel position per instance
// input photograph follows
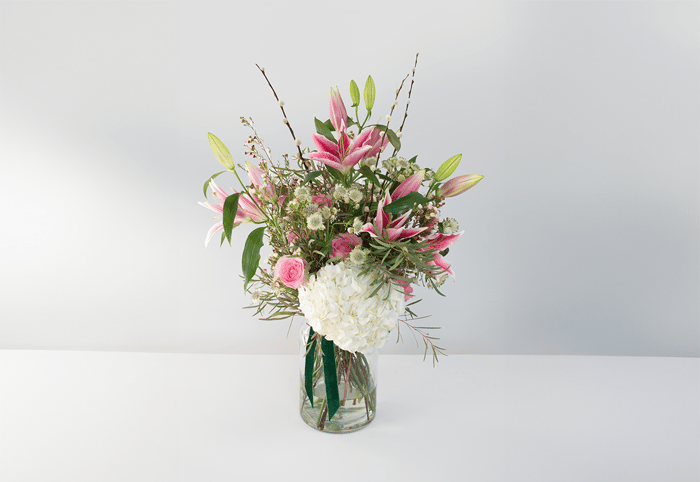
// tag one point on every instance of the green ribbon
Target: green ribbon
(309, 367)
(329, 371)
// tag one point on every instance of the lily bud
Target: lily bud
(458, 185)
(412, 184)
(339, 115)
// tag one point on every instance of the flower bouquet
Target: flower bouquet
(350, 234)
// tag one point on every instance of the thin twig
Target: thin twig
(307, 165)
(408, 101)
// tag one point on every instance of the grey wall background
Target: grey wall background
(583, 117)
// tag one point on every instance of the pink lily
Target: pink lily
(376, 140)
(411, 184)
(249, 206)
(221, 196)
(440, 242)
(342, 155)
(458, 185)
(257, 178)
(386, 229)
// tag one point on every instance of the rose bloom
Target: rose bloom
(343, 244)
(291, 271)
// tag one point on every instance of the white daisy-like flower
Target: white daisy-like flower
(358, 256)
(355, 195)
(315, 221)
(302, 193)
(337, 304)
(450, 225)
(357, 225)
(340, 192)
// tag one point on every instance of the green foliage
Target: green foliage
(230, 209)
(367, 172)
(251, 254)
(206, 184)
(311, 176)
(323, 129)
(405, 203)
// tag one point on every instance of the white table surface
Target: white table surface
(101, 416)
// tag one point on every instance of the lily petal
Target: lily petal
(325, 145)
(214, 229)
(412, 184)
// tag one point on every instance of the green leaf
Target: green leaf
(230, 208)
(311, 176)
(447, 168)
(369, 93)
(367, 172)
(413, 159)
(206, 184)
(251, 254)
(323, 129)
(221, 152)
(354, 94)
(335, 173)
(309, 366)
(393, 138)
(329, 373)
(405, 203)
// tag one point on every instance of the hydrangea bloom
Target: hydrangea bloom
(337, 304)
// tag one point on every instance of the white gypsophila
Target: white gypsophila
(337, 304)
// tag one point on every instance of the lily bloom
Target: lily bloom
(376, 140)
(387, 229)
(344, 154)
(247, 210)
(219, 208)
(257, 178)
(440, 242)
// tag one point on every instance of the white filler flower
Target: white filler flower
(337, 304)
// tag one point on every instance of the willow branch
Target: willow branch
(307, 165)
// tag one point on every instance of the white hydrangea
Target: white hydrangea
(337, 304)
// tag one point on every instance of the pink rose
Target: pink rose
(291, 271)
(343, 244)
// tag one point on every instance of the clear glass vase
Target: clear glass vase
(356, 375)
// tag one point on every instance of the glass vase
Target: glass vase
(356, 376)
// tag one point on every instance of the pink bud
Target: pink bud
(339, 115)
(412, 184)
(458, 185)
